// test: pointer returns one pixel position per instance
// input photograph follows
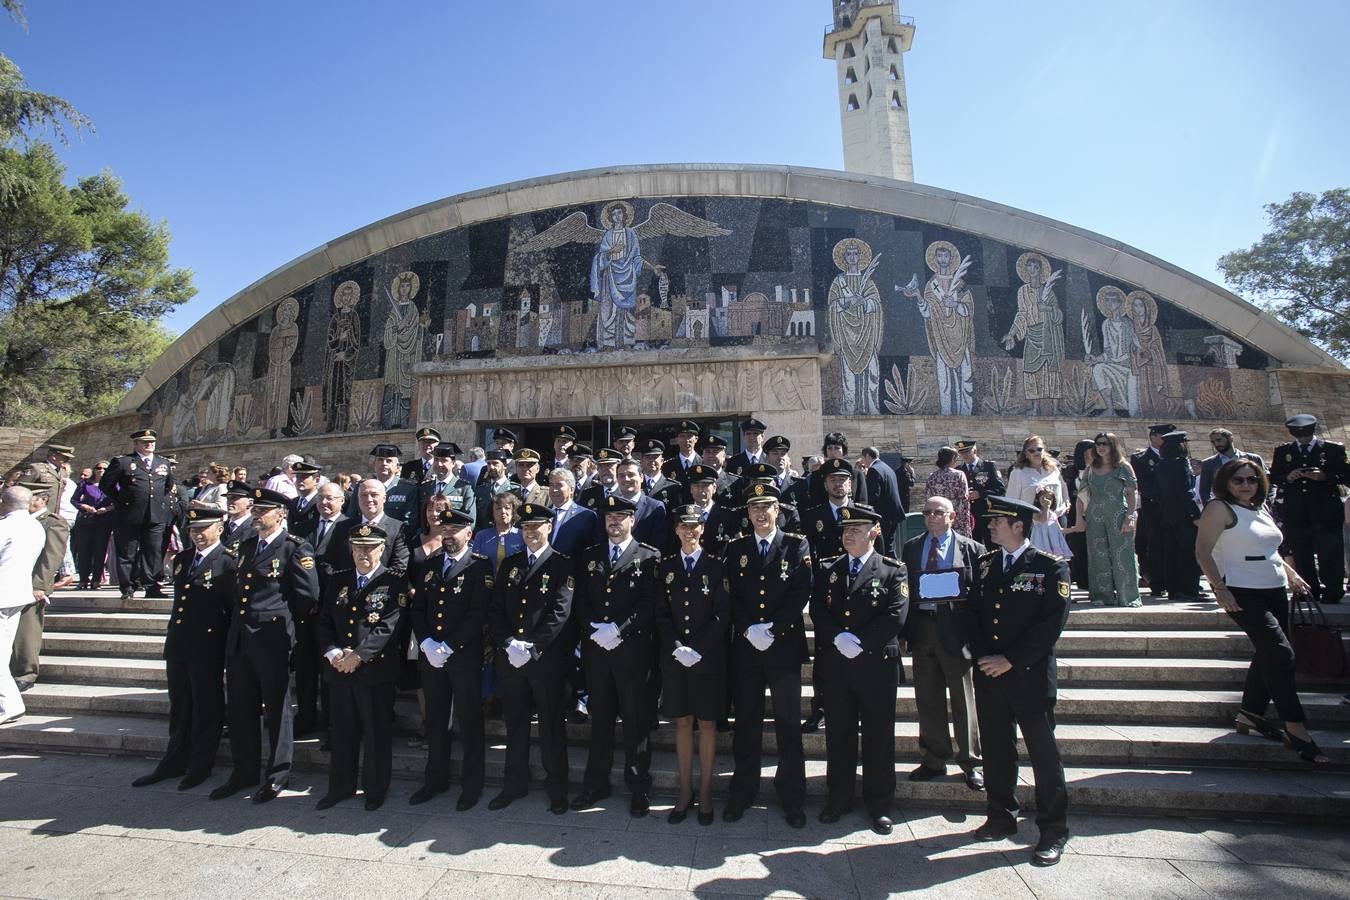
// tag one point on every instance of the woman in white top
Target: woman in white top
(1036, 469)
(1237, 546)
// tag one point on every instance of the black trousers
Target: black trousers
(89, 539)
(617, 681)
(362, 726)
(308, 662)
(196, 715)
(1264, 614)
(259, 689)
(1149, 546)
(545, 686)
(1002, 709)
(1181, 573)
(751, 677)
(1318, 551)
(861, 692)
(458, 682)
(140, 553)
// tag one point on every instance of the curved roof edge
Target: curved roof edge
(882, 195)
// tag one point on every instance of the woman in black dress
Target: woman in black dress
(692, 615)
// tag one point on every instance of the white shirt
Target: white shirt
(768, 537)
(65, 507)
(21, 541)
(1012, 556)
(282, 484)
(862, 560)
(685, 557)
(623, 548)
(265, 542)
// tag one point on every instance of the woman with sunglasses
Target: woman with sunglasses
(1106, 513)
(1034, 470)
(1237, 546)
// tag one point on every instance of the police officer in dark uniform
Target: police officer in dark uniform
(752, 437)
(140, 485)
(504, 442)
(528, 619)
(419, 470)
(613, 604)
(451, 591)
(304, 509)
(1178, 513)
(238, 524)
(1018, 606)
(564, 436)
(721, 523)
(1149, 533)
(858, 608)
(1307, 472)
(278, 582)
(655, 483)
(358, 625)
(194, 652)
(789, 518)
(984, 479)
(769, 582)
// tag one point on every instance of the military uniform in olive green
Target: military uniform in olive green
(769, 583)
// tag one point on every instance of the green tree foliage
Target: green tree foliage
(83, 284)
(1300, 269)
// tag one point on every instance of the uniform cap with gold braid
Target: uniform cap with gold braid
(858, 514)
(1008, 508)
(581, 451)
(616, 504)
(964, 444)
(761, 493)
(202, 518)
(653, 448)
(428, 434)
(699, 473)
(836, 465)
(456, 517)
(367, 535)
(145, 434)
(607, 456)
(534, 512)
(687, 426)
(566, 431)
(689, 514)
(777, 442)
(266, 499)
(526, 455)
(239, 489)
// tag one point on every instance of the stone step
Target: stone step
(107, 601)
(101, 670)
(1305, 795)
(100, 622)
(107, 645)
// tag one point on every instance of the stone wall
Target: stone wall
(18, 444)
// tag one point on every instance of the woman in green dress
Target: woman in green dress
(1106, 512)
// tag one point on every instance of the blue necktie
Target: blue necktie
(529, 560)
(689, 564)
(854, 568)
(614, 555)
(361, 582)
(763, 548)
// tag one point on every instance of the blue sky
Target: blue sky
(260, 130)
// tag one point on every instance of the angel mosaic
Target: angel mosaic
(856, 325)
(403, 336)
(1039, 324)
(282, 343)
(948, 308)
(618, 263)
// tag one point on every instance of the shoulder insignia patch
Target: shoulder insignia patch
(487, 582)
(402, 599)
(571, 583)
(670, 578)
(293, 538)
(1064, 589)
(306, 562)
(904, 588)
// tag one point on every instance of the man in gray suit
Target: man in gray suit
(941, 565)
(1221, 439)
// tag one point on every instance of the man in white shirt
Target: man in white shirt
(284, 483)
(21, 541)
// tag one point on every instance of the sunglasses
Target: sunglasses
(1244, 479)
(934, 513)
(1035, 449)
(1103, 443)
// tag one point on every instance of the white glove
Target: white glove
(444, 649)
(847, 644)
(606, 634)
(518, 653)
(760, 636)
(687, 656)
(436, 652)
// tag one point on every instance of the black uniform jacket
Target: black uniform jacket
(277, 584)
(234, 536)
(693, 609)
(1019, 614)
(623, 594)
(872, 606)
(1145, 464)
(202, 603)
(365, 621)
(338, 555)
(824, 533)
(533, 604)
(947, 616)
(1175, 483)
(140, 495)
(451, 604)
(774, 589)
(1305, 498)
(984, 479)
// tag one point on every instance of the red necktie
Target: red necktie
(932, 562)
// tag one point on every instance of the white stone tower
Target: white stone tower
(867, 42)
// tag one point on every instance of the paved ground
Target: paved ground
(71, 826)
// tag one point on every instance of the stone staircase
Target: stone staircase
(1146, 703)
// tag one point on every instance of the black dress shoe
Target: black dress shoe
(882, 824)
(639, 806)
(995, 831)
(423, 794)
(155, 592)
(974, 780)
(503, 800)
(812, 724)
(587, 799)
(154, 778)
(230, 788)
(678, 815)
(467, 801)
(831, 814)
(374, 803)
(733, 813)
(1048, 852)
(127, 595)
(269, 791)
(795, 819)
(331, 800)
(705, 816)
(192, 780)
(558, 806)
(927, 773)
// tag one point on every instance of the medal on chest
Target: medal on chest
(276, 569)
(706, 589)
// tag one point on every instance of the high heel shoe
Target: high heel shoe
(678, 814)
(1307, 750)
(1246, 722)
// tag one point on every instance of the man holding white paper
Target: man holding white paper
(940, 564)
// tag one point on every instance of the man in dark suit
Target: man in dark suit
(1018, 606)
(651, 524)
(941, 565)
(371, 509)
(419, 469)
(278, 582)
(752, 448)
(684, 455)
(492, 482)
(194, 652)
(139, 484)
(1221, 439)
(528, 620)
(835, 446)
(1149, 534)
(400, 494)
(325, 531)
(858, 608)
(883, 492)
(573, 524)
(1307, 472)
(769, 581)
(984, 481)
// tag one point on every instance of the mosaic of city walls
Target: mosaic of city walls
(919, 319)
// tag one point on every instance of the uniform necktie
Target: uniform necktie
(196, 564)
(1008, 560)
(854, 567)
(529, 560)
(361, 581)
(647, 484)
(763, 548)
(614, 555)
(932, 562)
(689, 564)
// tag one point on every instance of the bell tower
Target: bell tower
(867, 42)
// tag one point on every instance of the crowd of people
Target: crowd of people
(610, 586)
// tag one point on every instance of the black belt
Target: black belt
(1255, 558)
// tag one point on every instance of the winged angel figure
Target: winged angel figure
(618, 261)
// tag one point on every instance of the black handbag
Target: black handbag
(1318, 649)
